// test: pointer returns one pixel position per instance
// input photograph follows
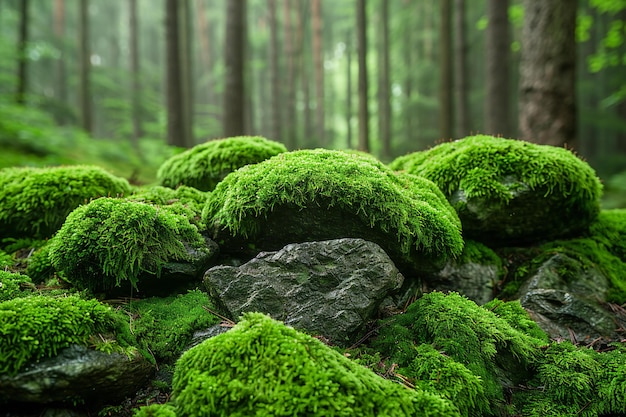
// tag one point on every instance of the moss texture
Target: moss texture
(205, 165)
(110, 241)
(36, 201)
(187, 201)
(410, 210)
(262, 367)
(497, 170)
(39, 326)
(14, 285)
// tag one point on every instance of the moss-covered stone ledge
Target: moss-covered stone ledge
(311, 195)
(509, 191)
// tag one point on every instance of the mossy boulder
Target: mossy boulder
(511, 192)
(184, 200)
(262, 367)
(13, 285)
(36, 201)
(112, 243)
(204, 165)
(319, 194)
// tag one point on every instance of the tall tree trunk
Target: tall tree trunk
(318, 63)
(59, 34)
(461, 71)
(548, 68)
(497, 76)
(349, 90)
(185, 38)
(235, 49)
(175, 121)
(135, 88)
(445, 70)
(275, 81)
(85, 67)
(409, 115)
(204, 38)
(22, 66)
(361, 27)
(384, 96)
(305, 74)
(290, 55)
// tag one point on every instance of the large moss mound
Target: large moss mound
(320, 194)
(35, 201)
(204, 165)
(110, 242)
(262, 367)
(510, 191)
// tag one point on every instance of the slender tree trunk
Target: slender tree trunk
(409, 115)
(548, 69)
(175, 121)
(276, 104)
(290, 55)
(185, 38)
(204, 38)
(361, 25)
(497, 77)
(59, 34)
(445, 70)
(304, 76)
(135, 88)
(85, 67)
(384, 96)
(235, 52)
(22, 66)
(461, 71)
(318, 63)
(349, 110)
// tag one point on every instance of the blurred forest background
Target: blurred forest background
(127, 83)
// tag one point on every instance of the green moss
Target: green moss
(156, 410)
(517, 317)
(186, 201)
(12, 285)
(262, 367)
(165, 326)
(37, 327)
(484, 343)
(6, 260)
(610, 230)
(476, 252)
(205, 165)
(109, 242)
(39, 265)
(410, 208)
(35, 201)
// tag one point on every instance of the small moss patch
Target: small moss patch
(204, 165)
(13, 285)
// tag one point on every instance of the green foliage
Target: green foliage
(36, 327)
(187, 201)
(12, 285)
(476, 252)
(39, 266)
(262, 367)
(412, 208)
(165, 326)
(6, 260)
(480, 166)
(205, 165)
(36, 201)
(470, 335)
(110, 241)
(156, 410)
(517, 317)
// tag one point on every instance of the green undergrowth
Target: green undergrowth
(112, 241)
(262, 367)
(480, 347)
(205, 165)
(6, 260)
(39, 326)
(34, 202)
(14, 285)
(409, 207)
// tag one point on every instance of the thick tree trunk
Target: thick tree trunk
(497, 77)
(186, 69)
(461, 71)
(276, 104)
(349, 110)
(204, 37)
(548, 69)
(135, 89)
(318, 63)
(445, 70)
(290, 56)
(234, 122)
(384, 113)
(175, 129)
(361, 27)
(61, 76)
(85, 67)
(22, 66)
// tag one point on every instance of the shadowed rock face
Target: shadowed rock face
(330, 288)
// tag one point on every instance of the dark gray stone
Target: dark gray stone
(567, 300)
(77, 374)
(330, 288)
(473, 280)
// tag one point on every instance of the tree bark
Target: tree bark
(461, 71)
(61, 76)
(135, 89)
(276, 105)
(548, 69)
(445, 70)
(498, 45)
(384, 96)
(204, 38)
(22, 66)
(361, 25)
(175, 128)
(235, 46)
(318, 63)
(186, 70)
(349, 90)
(85, 67)
(290, 55)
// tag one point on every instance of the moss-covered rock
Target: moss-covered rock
(204, 165)
(36, 201)
(319, 194)
(111, 243)
(509, 191)
(184, 200)
(13, 285)
(262, 367)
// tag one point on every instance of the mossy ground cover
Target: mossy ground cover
(14, 285)
(205, 165)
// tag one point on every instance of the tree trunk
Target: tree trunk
(461, 71)
(204, 38)
(445, 70)
(318, 63)
(235, 46)
(361, 27)
(349, 90)
(497, 76)
(135, 89)
(85, 67)
(186, 70)
(384, 113)
(275, 78)
(290, 55)
(548, 68)
(175, 121)
(61, 76)
(22, 67)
